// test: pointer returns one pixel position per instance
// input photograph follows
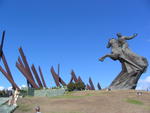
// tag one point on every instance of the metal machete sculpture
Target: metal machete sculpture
(7, 72)
(1, 46)
(133, 65)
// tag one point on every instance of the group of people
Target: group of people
(14, 97)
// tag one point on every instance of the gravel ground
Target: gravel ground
(89, 102)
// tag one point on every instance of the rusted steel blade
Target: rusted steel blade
(99, 87)
(21, 63)
(26, 63)
(88, 87)
(60, 79)
(2, 43)
(36, 76)
(9, 78)
(58, 75)
(91, 84)
(56, 78)
(6, 66)
(79, 79)
(23, 71)
(42, 77)
(58, 69)
(74, 76)
(71, 80)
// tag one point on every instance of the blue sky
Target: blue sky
(73, 33)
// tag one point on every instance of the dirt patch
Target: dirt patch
(89, 102)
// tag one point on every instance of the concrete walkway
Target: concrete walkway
(4, 108)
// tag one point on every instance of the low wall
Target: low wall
(45, 92)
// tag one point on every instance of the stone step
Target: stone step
(4, 107)
(3, 100)
(7, 109)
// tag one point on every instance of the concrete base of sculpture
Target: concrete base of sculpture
(125, 80)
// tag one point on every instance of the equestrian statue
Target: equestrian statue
(133, 65)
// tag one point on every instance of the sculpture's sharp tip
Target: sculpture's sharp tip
(101, 60)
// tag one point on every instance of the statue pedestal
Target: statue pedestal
(126, 80)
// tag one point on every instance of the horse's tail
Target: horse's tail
(146, 64)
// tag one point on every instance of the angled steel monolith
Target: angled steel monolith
(88, 87)
(73, 75)
(1, 45)
(91, 84)
(22, 65)
(79, 79)
(71, 80)
(26, 63)
(7, 73)
(6, 66)
(57, 78)
(42, 77)
(99, 87)
(25, 73)
(36, 76)
(14, 85)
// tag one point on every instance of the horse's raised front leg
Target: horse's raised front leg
(103, 58)
(112, 56)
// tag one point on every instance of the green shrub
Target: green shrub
(76, 86)
(23, 92)
(55, 87)
(71, 86)
(3, 93)
(79, 86)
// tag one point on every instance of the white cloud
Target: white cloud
(22, 86)
(1, 88)
(144, 84)
(9, 88)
